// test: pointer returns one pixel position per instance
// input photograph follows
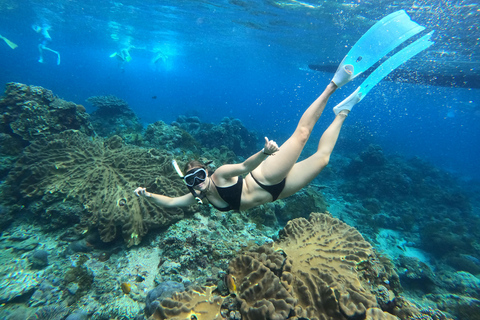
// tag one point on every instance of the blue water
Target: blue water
(249, 60)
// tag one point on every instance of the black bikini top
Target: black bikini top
(231, 195)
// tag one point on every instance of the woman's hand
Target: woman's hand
(270, 147)
(142, 192)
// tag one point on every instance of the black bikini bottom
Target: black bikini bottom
(274, 190)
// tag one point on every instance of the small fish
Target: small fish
(359, 59)
(126, 287)
(230, 283)
(154, 97)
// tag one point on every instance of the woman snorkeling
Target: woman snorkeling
(270, 174)
(274, 172)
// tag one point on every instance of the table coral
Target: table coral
(100, 174)
(110, 105)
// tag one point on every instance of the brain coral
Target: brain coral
(100, 174)
(312, 271)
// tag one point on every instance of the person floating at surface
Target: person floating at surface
(159, 57)
(46, 38)
(123, 57)
(274, 173)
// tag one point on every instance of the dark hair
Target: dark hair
(193, 164)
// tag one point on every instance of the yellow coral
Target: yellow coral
(311, 272)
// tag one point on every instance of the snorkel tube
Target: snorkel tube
(192, 191)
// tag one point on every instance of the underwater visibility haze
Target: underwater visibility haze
(250, 60)
(143, 81)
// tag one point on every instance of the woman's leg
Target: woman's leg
(276, 167)
(305, 171)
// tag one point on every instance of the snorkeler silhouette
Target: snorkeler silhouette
(158, 60)
(43, 30)
(123, 56)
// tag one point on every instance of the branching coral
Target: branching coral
(100, 174)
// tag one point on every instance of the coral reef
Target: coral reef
(6, 216)
(113, 117)
(415, 274)
(51, 312)
(314, 271)
(101, 175)
(198, 303)
(80, 190)
(463, 306)
(80, 315)
(39, 259)
(78, 280)
(110, 105)
(119, 308)
(413, 196)
(29, 113)
(161, 135)
(9, 145)
(196, 250)
(317, 266)
(318, 269)
(16, 278)
(230, 134)
(161, 292)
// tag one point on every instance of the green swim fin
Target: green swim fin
(10, 43)
(383, 70)
(379, 40)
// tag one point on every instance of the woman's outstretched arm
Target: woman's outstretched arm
(164, 201)
(229, 171)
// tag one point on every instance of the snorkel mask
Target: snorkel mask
(192, 178)
(195, 176)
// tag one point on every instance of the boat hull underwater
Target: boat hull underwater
(442, 74)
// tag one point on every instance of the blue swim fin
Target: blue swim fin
(379, 40)
(8, 42)
(383, 70)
